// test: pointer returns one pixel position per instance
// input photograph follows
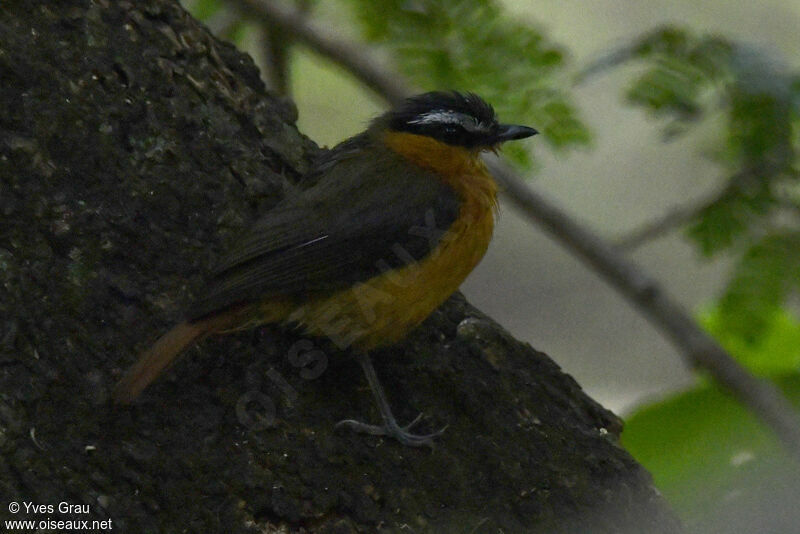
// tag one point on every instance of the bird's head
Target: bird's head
(457, 119)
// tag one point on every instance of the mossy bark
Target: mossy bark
(133, 146)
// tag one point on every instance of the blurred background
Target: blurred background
(707, 113)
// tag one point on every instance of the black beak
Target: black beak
(508, 132)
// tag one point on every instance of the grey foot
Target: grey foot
(392, 430)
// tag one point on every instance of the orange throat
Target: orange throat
(460, 168)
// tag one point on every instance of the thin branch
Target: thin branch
(347, 55)
(763, 398)
(275, 44)
(682, 215)
(671, 220)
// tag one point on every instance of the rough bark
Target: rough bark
(133, 146)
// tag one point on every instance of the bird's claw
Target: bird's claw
(392, 430)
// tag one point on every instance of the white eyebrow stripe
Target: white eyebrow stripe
(439, 116)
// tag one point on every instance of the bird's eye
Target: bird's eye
(473, 126)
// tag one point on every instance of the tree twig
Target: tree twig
(345, 54)
(275, 45)
(669, 221)
(763, 398)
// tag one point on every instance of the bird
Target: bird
(396, 218)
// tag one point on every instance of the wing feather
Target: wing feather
(337, 233)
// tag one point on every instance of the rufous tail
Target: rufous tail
(162, 354)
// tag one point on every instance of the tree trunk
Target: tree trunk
(133, 147)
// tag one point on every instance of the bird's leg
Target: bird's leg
(390, 428)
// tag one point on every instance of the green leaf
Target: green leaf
(705, 450)
(720, 224)
(776, 350)
(688, 77)
(671, 86)
(682, 70)
(762, 280)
